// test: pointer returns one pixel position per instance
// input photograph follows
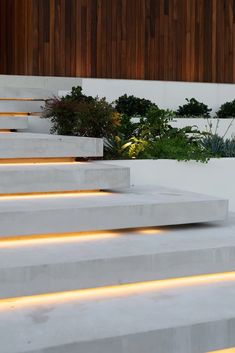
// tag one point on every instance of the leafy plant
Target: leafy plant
(218, 147)
(155, 138)
(133, 106)
(79, 115)
(226, 110)
(193, 108)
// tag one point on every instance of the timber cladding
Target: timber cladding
(175, 40)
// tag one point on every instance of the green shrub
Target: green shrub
(217, 146)
(133, 106)
(79, 115)
(227, 110)
(155, 138)
(192, 109)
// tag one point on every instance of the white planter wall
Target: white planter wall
(216, 178)
(166, 94)
(203, 125)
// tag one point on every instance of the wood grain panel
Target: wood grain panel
(176, 40)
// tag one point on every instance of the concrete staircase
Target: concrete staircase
(89, 264)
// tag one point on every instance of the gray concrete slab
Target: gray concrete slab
(21, 105)
(112, 258)
(128, 208)
(14, 122)
(27, 145)
(188, 317)
(30, 178)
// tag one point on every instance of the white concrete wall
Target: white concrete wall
(164, 93)
(51, 84)
(216, 178)
(225, 128)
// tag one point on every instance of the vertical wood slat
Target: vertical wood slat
(184, 40)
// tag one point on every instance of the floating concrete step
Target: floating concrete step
(26, 145)
(34, 178)
(128, 208)
(184, 316)
(111, 258)
(21, 105)
(13, 122)
(25, 92)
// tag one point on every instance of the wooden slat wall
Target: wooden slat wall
(179, 40)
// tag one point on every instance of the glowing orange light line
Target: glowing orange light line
(114, 291)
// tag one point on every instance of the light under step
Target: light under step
(39, 178)
(229, 350)
(27, 145)
(77, 261)
(183, 315)
(20, 113)
(33, 161)
(127, 208)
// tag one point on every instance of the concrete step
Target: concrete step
(47, 265)
(19, 92)
(194, 315)
(26, 145)
(21, 105)
(126, 208)
(13, 122)
(54, 177)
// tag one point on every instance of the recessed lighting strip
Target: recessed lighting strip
(123, 290)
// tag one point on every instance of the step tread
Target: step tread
(14, 122)
(126, 208)
(110, 258)
(116, 319)
(59, 176)
(29, 145)
(131, 196)
(120, 244)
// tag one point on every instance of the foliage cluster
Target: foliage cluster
(79, 115)
(148, 135)
(193, 108)
(227, 110)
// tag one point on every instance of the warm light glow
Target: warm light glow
(149, 231)
(29, 161)
(228, 350)
(20, 114)
(46, 239)
(113, 291)
(3, 131)
(55, 194)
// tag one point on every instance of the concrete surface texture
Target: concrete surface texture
(115, 257)
(125, 208)
(213, 178)
(14, 122)
(27, 178)
(26, 145)
(155, 318)
(21, 105)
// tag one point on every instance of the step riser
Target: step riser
(56, 178)
(45, 147)
(21, 106)
(191, 339)
(12, 122)
(61, 277)
(98, 217)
